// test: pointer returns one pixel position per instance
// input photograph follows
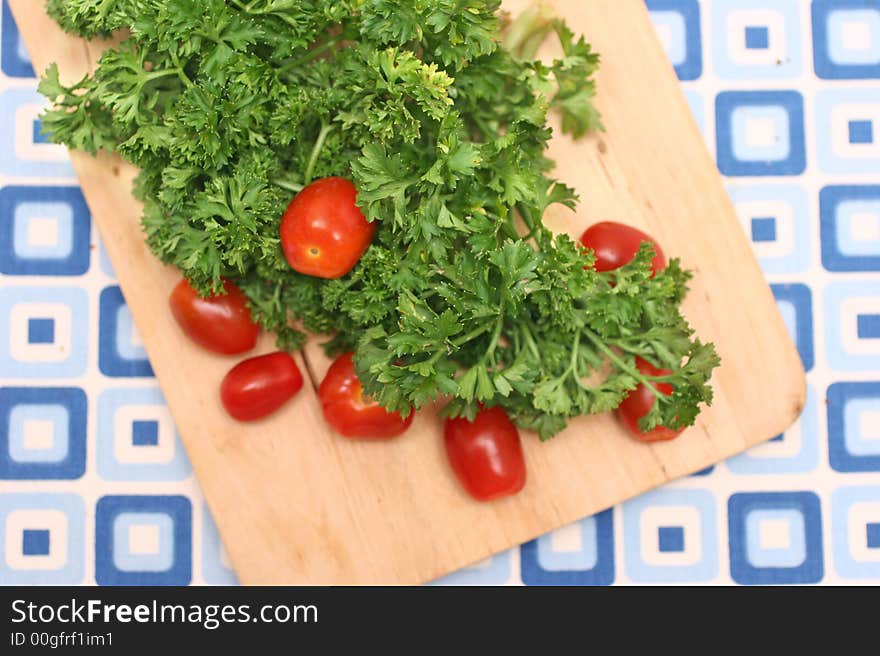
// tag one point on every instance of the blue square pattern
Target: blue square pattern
(39, 433)
(787, 249)
(846, 39)
(783, 550)
(763, 229)
(671, 535)
(143, 540)
(492, 571)
(861, 132)
(217, 572)
(104, 259)
(44, 231)
(850, 242)
(137, 439)
(850, 327)
(670, 539)
(845, 145)
(42, 539)
(35, 542)
(13, 57)
(696, 102)
(757, 38)
(775, 538)
(587, 557)
(795, 302)
(21, 156)
(42, 433)
(145, 433)
(760, 133)
(849, 450)
(679, 22)
(868, 326)
(847, 215)
(118, 357)
(39, 136)
(67, 354)
(41, 331)
(855, 532)
(794, 452)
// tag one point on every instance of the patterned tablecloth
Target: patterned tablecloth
(96, 488)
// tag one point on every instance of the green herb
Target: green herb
(230, 106)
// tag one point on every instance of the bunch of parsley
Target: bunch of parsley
(231, 106)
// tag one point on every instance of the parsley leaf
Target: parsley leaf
(438, 111)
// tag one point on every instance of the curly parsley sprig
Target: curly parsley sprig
(437, 110)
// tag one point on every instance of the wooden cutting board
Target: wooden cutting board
(296, 504)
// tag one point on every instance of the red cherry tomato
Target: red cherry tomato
(616, 244)
(486, 454)
(257, 387)
(349, 413)
(323, 231)
(639, 403)
(221, 324)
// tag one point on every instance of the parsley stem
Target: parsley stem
(537, 230)
(314, 53)
(464, 339)
(529, 30)
(575, 348)
(180, 72)
(508, 227)
(285, 184)
(483, 128)
(635, 373)
(155, 75)
(271, 11)
(530, 340)
(573, 369)
(326, 128)
(526, 215)
(496, 336)
(530, 47)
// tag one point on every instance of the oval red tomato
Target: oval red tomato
(486, 454)
(616, 244)
(257, 387)
(639, 403)
(346, 410)
(323, 232)
(221, 324)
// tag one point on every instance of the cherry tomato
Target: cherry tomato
(616, 244)
(639, 403)
(486, 454)
(257, 387)
(346, 410)
(323, 231)
(221, 324)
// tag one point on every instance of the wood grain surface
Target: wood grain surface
(296, 504)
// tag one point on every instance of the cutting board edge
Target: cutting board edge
(651, 486)
(796, 411)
